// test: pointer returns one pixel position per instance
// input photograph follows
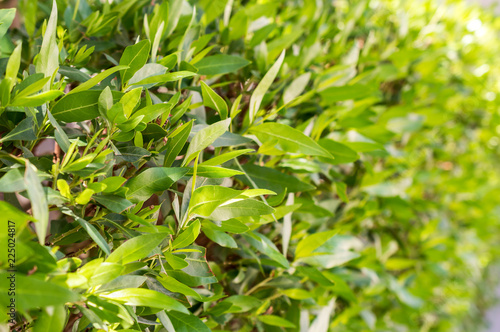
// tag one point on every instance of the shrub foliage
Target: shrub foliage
(248, 165)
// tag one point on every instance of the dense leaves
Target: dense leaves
(248, 165)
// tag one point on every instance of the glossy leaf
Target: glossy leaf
(134, 57)
(152, 180)
(288, 139)
(147, 298)
(136, 248)
(204, 138)
(263, 87)
(213, 100)
(220, 64)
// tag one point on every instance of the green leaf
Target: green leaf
(74, 74)
(48, 58)
(30, 85)
(36, 100)
(242, 208)
(264, 85)
(296, 87)
(288, 139)
(113, 183)
(38, 200)
(96, 79)
(215, 172)
(307, 245)
(169, 77)
(269, 178)
(242, 303)
(275, 321)
(175, 262)
(152, 112)
(130, 100)
(52, 318)
(220, 64)
(136, 248)
(230, 225)
(315, 275)
(341, 188)
(106, 272)
(148, 70)
(198, 272)
(297, 293)
(80, 106)
(213, 100)
(347, 92)
(13, 65)
(222, 158)
(146, 298)
(204, 138)
(84, 197)
(176, 142)
(206, 199)
(133, 154)
(24, 131)
(177, 287)
(152, 180)
(212, 9)
(5, 85)
(60, 135)
(113, 203)
(6, 19)
(342, 153)
(188, 236)
(174, 13)
(186, 323)
(220, 238)
(94, 234)
(12, 181)
(109, 311)
(264, 245)
(11, 213)
(180, 110)
(32, 292)
(134, 56)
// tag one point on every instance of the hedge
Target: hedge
(248, 165)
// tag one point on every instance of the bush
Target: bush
(248, 166)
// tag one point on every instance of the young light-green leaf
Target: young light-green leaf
(147, 298)
(136, 248)
(183, 323)
(204, 138)
(242, 208)
(207, 198)
(264, 85)
(274, 320)
(134, 56)
(6, 18)
(96, 79)
(220, 64)
(38, 200)
(289, 139)
(213, 100)
(48, 58)
(188, 236)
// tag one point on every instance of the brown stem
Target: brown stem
(57, 153)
